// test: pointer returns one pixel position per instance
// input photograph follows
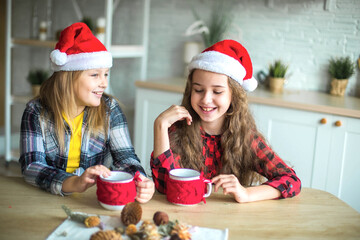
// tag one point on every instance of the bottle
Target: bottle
(100, 29)
(43, 31)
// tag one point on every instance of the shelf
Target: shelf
(126, 51)
(117, 51)
(21, 99)
(33, 42)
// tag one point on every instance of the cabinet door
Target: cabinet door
(299, 139)
(344, 161)
(149, 104)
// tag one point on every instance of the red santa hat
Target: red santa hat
(230, 58)
(78, 49)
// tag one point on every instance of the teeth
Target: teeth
(207, 109)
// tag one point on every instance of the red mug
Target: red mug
(187, 187)
(115, 191)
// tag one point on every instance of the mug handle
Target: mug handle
(209, 188)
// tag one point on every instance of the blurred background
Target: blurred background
(304, 34)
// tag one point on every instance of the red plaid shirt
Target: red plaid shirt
(279, 175)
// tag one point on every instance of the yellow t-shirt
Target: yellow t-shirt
(75, 143)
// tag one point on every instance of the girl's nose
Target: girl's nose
(207, 97)
(104, 82)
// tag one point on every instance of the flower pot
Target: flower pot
(35, 90)
(276, 84)
(338, 86)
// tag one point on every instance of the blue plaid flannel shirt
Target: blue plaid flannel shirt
(44, 165)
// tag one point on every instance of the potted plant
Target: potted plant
(36, 78)
(340, 69)
(277, 73)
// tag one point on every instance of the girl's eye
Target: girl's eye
(217, 92)
(94, 75)
(198, 91)
(106, 74)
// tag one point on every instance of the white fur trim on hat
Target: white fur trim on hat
(214, 61)
(81, 61)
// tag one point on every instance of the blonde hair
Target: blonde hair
(57, 97)
(239, 130)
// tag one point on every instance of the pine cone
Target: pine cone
(106, 235)
(92, 221)
(131, 213)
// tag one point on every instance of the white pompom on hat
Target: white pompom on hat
(78, 49)
(230, 58)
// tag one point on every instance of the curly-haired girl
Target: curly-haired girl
(214, 132)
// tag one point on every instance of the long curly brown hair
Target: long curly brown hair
(239, 130)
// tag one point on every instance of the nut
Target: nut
(92, 221)
(160, 218)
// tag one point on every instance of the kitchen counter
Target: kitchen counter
(296, 99)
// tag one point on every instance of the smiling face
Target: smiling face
(89, 88)
(210, 99)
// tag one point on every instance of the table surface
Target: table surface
(30, 213)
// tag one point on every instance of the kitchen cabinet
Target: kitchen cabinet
(117, 51)
(315, 133)
(322, 148)
(149, 104)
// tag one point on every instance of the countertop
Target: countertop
(295, 99)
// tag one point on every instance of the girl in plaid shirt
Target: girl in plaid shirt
(73, 129)
(213, 131)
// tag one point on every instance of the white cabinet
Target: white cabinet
(118, 51)
(149, 104)
(324, 155)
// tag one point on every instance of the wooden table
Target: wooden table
(30, 213)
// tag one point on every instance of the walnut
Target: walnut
(106, 235)
(160, 218)
(131, 213)
(92, 221)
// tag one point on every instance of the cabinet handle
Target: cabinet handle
(323, 121)
(338, 123)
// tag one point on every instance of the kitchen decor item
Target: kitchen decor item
(277, 74)
(115, 191)
(340, 69)
(36, 78)
(187, 187)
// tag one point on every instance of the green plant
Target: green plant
(89, 22)
(278, 69)
(341, 68)
(218, 24)
(37, 76)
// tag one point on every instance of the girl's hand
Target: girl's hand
(173, 114)
(145, 189)
(163, 122)
(86, 180)
(231, 185)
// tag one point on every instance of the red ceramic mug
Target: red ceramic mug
(187, 187)
(115, 191)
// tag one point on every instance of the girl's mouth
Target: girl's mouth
(207, 109)
(98, 93)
